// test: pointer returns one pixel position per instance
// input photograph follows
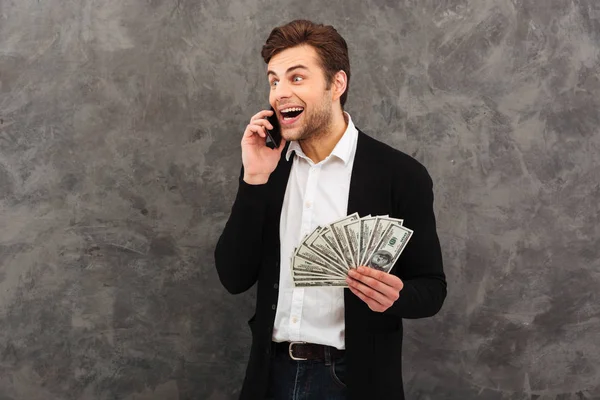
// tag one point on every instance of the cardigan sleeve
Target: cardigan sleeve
(420, 265)
(239, 249)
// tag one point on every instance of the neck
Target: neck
(320, 147)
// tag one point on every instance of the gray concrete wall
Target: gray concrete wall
(120, 124)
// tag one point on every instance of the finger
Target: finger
(370, 292)
(386, 287)
(253, 129)
(373, 305)
(263, 122)
(388, 279)
(261, 115)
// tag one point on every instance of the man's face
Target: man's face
(380, 259)
(299, 89)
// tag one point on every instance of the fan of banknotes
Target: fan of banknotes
(326, 255)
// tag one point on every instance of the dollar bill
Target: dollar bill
(324, 245)
(301, 264)
(389, 248)
(377, 231)
(397, 221)
(316, 279)
(381, 224)
(329, 238)
(299, 275)
(352, 233)
(337, 228)
(324, 256)
(366, 229)
(318, 284)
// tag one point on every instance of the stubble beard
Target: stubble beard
(316, 124)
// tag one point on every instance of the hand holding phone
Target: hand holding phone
(259, 157)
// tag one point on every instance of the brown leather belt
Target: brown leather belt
(301, 351)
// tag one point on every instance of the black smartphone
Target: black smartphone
(274, 135)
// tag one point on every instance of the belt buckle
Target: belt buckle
(291, 353)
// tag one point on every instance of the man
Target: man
(380, 260)
(327, 342)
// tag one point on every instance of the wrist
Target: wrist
(256, 179)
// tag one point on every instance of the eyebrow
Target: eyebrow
(299, 66)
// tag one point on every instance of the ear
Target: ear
(339, 84)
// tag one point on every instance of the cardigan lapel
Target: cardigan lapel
(370, 187)
(278, 182)
(279, 179)
(370, 193)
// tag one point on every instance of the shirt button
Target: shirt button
(275, 286)
(308, 204)
(273, 307)
(294, 320)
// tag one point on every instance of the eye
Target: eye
(274, 82)
(297, 78)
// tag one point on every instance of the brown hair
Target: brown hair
(329, 45)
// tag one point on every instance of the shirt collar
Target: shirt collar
(342, 150)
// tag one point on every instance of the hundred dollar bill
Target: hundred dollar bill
(397, 220)
(323, 245)
(352, 233)
(307, 275)
(301, 264)
(317, 284)
(315, 279)
(389, 248)
(329, 238)
(301, 273)
(381, 224)
(316, 255)
(337, 228)
(366, 228)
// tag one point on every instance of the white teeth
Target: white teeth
(292, 109)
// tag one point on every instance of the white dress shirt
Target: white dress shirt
(316, 195)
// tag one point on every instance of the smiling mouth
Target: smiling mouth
(291, 113)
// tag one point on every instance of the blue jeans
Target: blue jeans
(306, 380)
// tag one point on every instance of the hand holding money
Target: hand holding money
(327, 255)
(376, 288)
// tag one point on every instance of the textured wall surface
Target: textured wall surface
(120, 123)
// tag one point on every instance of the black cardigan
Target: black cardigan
(384, 181)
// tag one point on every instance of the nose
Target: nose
(282, 91)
